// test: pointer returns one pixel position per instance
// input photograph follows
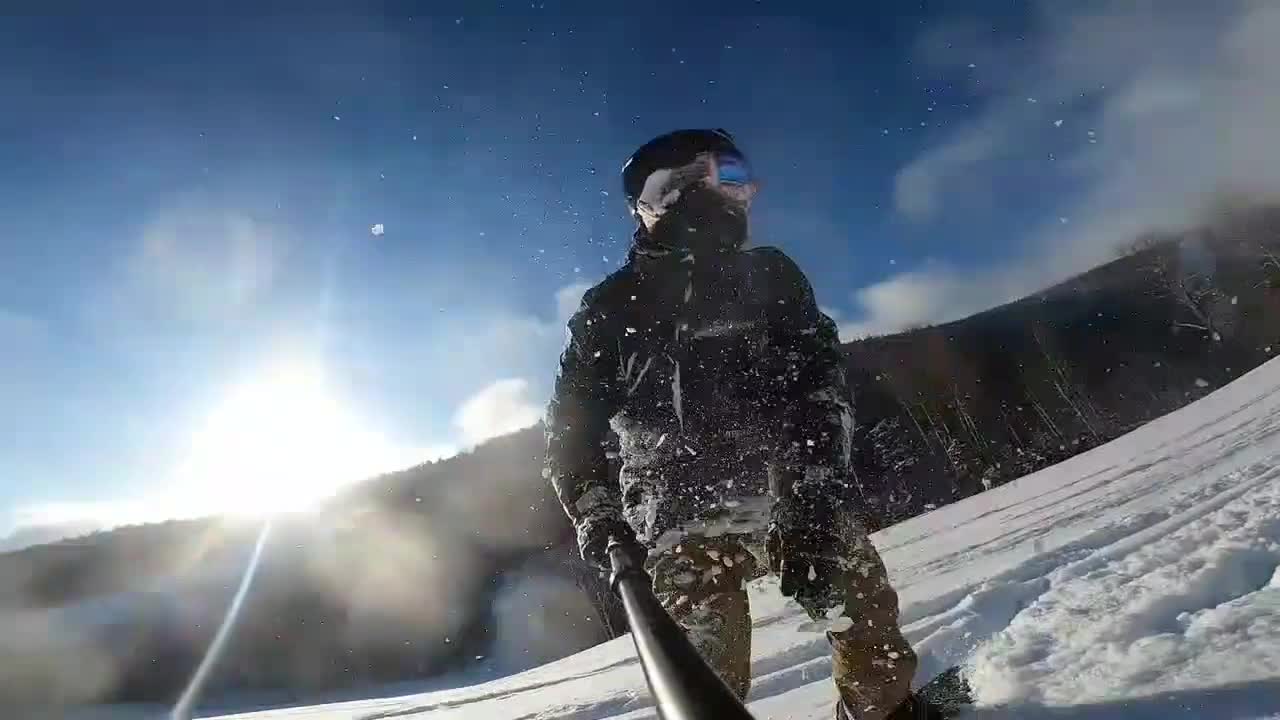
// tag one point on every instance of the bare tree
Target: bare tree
(1193, 291)
(1142, 243)
(1062, 383)
(1270, 267)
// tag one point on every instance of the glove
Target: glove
(594, 539)
(629, 564)
(808, 574)
(807, 557)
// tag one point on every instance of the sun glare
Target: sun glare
(280, 442)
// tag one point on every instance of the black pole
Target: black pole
(683, 686)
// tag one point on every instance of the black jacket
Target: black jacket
(726, 386)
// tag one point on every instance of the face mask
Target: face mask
(725, 174)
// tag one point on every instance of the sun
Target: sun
(279, 442)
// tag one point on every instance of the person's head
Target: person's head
(690, 189)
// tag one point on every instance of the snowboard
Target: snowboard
(948, 692)
(945, 697)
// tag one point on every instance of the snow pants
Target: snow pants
(701, 583)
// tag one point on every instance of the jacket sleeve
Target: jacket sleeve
(814, 400)
(577, 427)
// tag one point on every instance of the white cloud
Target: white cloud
(568, 298)
(936, 294)
(507, 405)
(1172, 106)
(511, 335)
(502, 407)
(917, 187)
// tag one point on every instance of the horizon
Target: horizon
(239, 239)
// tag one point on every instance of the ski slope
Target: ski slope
(1138, 580)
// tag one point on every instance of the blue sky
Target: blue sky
(187, 200)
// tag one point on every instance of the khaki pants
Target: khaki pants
(701, 583)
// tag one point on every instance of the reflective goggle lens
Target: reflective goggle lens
(731, 169)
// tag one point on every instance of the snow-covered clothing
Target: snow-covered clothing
(701, 583)
(725, 384)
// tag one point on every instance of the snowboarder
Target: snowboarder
(726, 388)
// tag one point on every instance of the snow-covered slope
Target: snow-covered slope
(1138, 580)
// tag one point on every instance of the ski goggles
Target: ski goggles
(726, 172)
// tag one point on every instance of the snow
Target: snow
(1138, 580)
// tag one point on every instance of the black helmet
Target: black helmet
(675, 149)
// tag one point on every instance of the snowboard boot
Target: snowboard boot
(913, 708)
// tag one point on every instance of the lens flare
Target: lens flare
(280, 442)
